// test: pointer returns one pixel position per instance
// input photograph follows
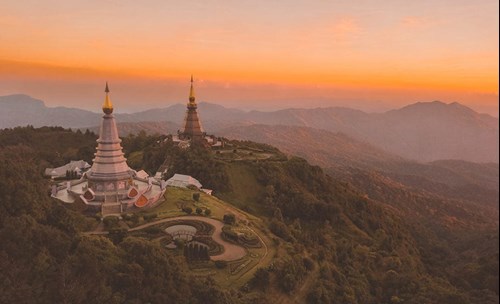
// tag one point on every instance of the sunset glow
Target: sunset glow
(372, 54)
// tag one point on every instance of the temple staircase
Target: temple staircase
(111, 206)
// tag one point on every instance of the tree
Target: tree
(179, 243)
(229, 219)
(111, 222)
(199, 210)
(204, 253)
(196, 196)
(220, 264)
(208, 212)
(196, 252)
(261, 279)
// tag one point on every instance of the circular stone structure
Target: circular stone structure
(183, 232)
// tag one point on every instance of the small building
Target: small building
(142, 174)
(183, 181)
(158, 175)
(207, 191)
(78, 166)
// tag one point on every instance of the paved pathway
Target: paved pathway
(231, 251)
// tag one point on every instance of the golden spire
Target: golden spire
(191, 92)
(107, 107)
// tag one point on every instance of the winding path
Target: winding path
(231, 251)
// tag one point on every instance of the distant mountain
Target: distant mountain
(320, 147)
(22, 110)
(425, 131)
(175, 113)
(151, 128)
(432, 131)
(422, 131)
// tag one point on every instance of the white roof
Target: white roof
(181, 180)
(142, 174)
(207, 191)
(73, 165)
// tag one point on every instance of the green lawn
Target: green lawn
(176, 198)
(134, 160)
(246, 190)
(242, 154)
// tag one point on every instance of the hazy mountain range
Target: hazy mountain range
(422, 131)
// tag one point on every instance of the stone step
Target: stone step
(114, 208)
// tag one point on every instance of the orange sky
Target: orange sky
(372, 55)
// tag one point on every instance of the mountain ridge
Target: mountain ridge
(424, 131)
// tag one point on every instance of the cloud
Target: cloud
(415, 22)
(324, 35)
(345, 27)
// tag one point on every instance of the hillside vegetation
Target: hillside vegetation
(430, 236)
(335, 244)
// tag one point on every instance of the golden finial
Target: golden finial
(191, 92)
(107, 107)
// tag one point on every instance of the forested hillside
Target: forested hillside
(335, 244)
(45, 258)
(301, 201)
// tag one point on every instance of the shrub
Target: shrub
(280, 229)
(199, 210)
(288, 282)
(229, 219)
(188, 210)
(150, 216)
(110, 222)
(196, 196)
(208, 212)
(153, 230)
(221, 264)
(261, 279)
(180, 243)
(117, 234)
(308, 263)
(134, 218)
(98, 216)
(229, 233)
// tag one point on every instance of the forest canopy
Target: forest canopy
(355, 249)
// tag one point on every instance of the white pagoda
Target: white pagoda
(110, 184)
